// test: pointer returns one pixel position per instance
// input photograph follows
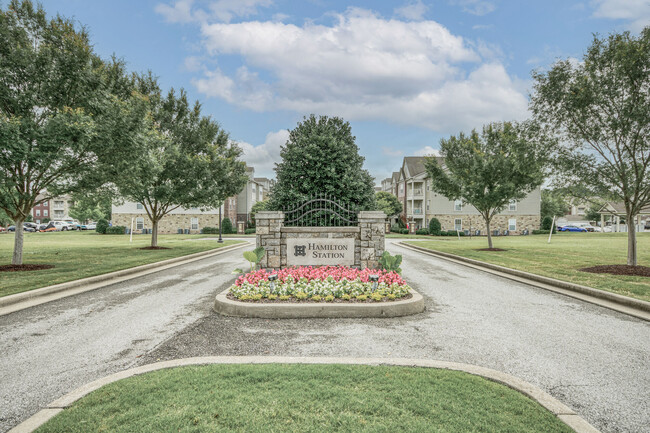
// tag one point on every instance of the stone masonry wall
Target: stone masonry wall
(368, 236)
(168, 223)
(499, 222)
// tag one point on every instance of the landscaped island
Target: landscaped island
(319, 284)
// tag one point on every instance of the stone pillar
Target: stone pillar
(373, 227)
(267, 231)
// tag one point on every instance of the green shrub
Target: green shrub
(422, 232)
(547, 221)
(390, 263)
(101, 227)
(395, 228)
(434, 227)
(115, 230)
(541, 232)
(404, 231)
(250, 231)
(226, 226)
(210, 230)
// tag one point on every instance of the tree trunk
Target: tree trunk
(17, 258)
(631, 240)
(487, 225)
(154, 234)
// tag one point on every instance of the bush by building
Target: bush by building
(101, 227)
(434, 227)
(227, 227)
(115, 230)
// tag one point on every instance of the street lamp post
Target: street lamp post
(220, 241)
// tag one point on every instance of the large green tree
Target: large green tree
(91, 206)
(388, 203)
(554, 203)
(182, 160)
(57, 110)
(600, 108)
(321, 158)
(488, 170)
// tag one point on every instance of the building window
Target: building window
(45, 212)
(401, 187)
(195, 223)
(38, 212)
(58, 204)
(139, 206)
(45, 204)
(512, 224)
(512, 205)
(458, 224)
(428, 204)
(458, 205)
(139, 223)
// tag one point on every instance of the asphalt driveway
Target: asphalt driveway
(592, 359)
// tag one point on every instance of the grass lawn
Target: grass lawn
(398, 236)
(560, 259)
(84, 254)
(305, 398)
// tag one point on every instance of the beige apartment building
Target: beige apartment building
(421, 203)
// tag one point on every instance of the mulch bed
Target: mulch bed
(636, 271)
(154, 248)
(490, 249)
(293, 300)
(21, 268)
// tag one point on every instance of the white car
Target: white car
(91, 226)
(588, 227)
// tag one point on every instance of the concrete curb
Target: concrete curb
(557, 408)
(228, 307)
(20, 301)
(623, 304)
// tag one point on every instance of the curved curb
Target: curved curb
(553, 405)
(20, 301)
(228, 307)
(623, 304)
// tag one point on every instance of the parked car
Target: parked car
(42, 227)
(31, 225)
(72, 224)
(2, 229)
(26, 228)
(587, 227)
(571, 228)
(89, 226)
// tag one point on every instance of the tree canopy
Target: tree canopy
(488, 170)
(58, 106)
(181, 159)
(600, 109)
(554, 203)
(321, 157)
(388, 203)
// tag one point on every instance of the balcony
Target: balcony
(416, 193)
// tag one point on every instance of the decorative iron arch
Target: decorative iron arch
(321, 210)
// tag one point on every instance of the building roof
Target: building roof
(414, 165)
(618, 208)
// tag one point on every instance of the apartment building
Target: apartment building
(266, 185)
(56, 209)
(41, 211)
(421, 203)
(236, 208)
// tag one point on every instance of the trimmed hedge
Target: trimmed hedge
(227, 227)
(101, 226)
(395, 228)
(250, 231)
(116, 230)
(542, 232)
(422, 232)
(434, 226)
(404, 231)
(210, 230)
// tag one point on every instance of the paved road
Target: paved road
(592, 359)
(54, 348)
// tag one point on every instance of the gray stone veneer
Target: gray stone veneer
(368, 235)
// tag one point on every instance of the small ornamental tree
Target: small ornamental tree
(388, 203)
(600, 108)
(321, 157)
(488, 170)
(181, 160)
(226, 226)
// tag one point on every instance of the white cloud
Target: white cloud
(475, 7)
(183, 11)
(363, 67)
(427, 151)
(637, 12)
(264, 156)
(413, 10)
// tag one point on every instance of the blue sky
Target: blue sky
(403, 73)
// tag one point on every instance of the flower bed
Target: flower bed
(319, 284)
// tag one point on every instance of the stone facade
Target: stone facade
(368, 236)
(169, 223)
(475, 222)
